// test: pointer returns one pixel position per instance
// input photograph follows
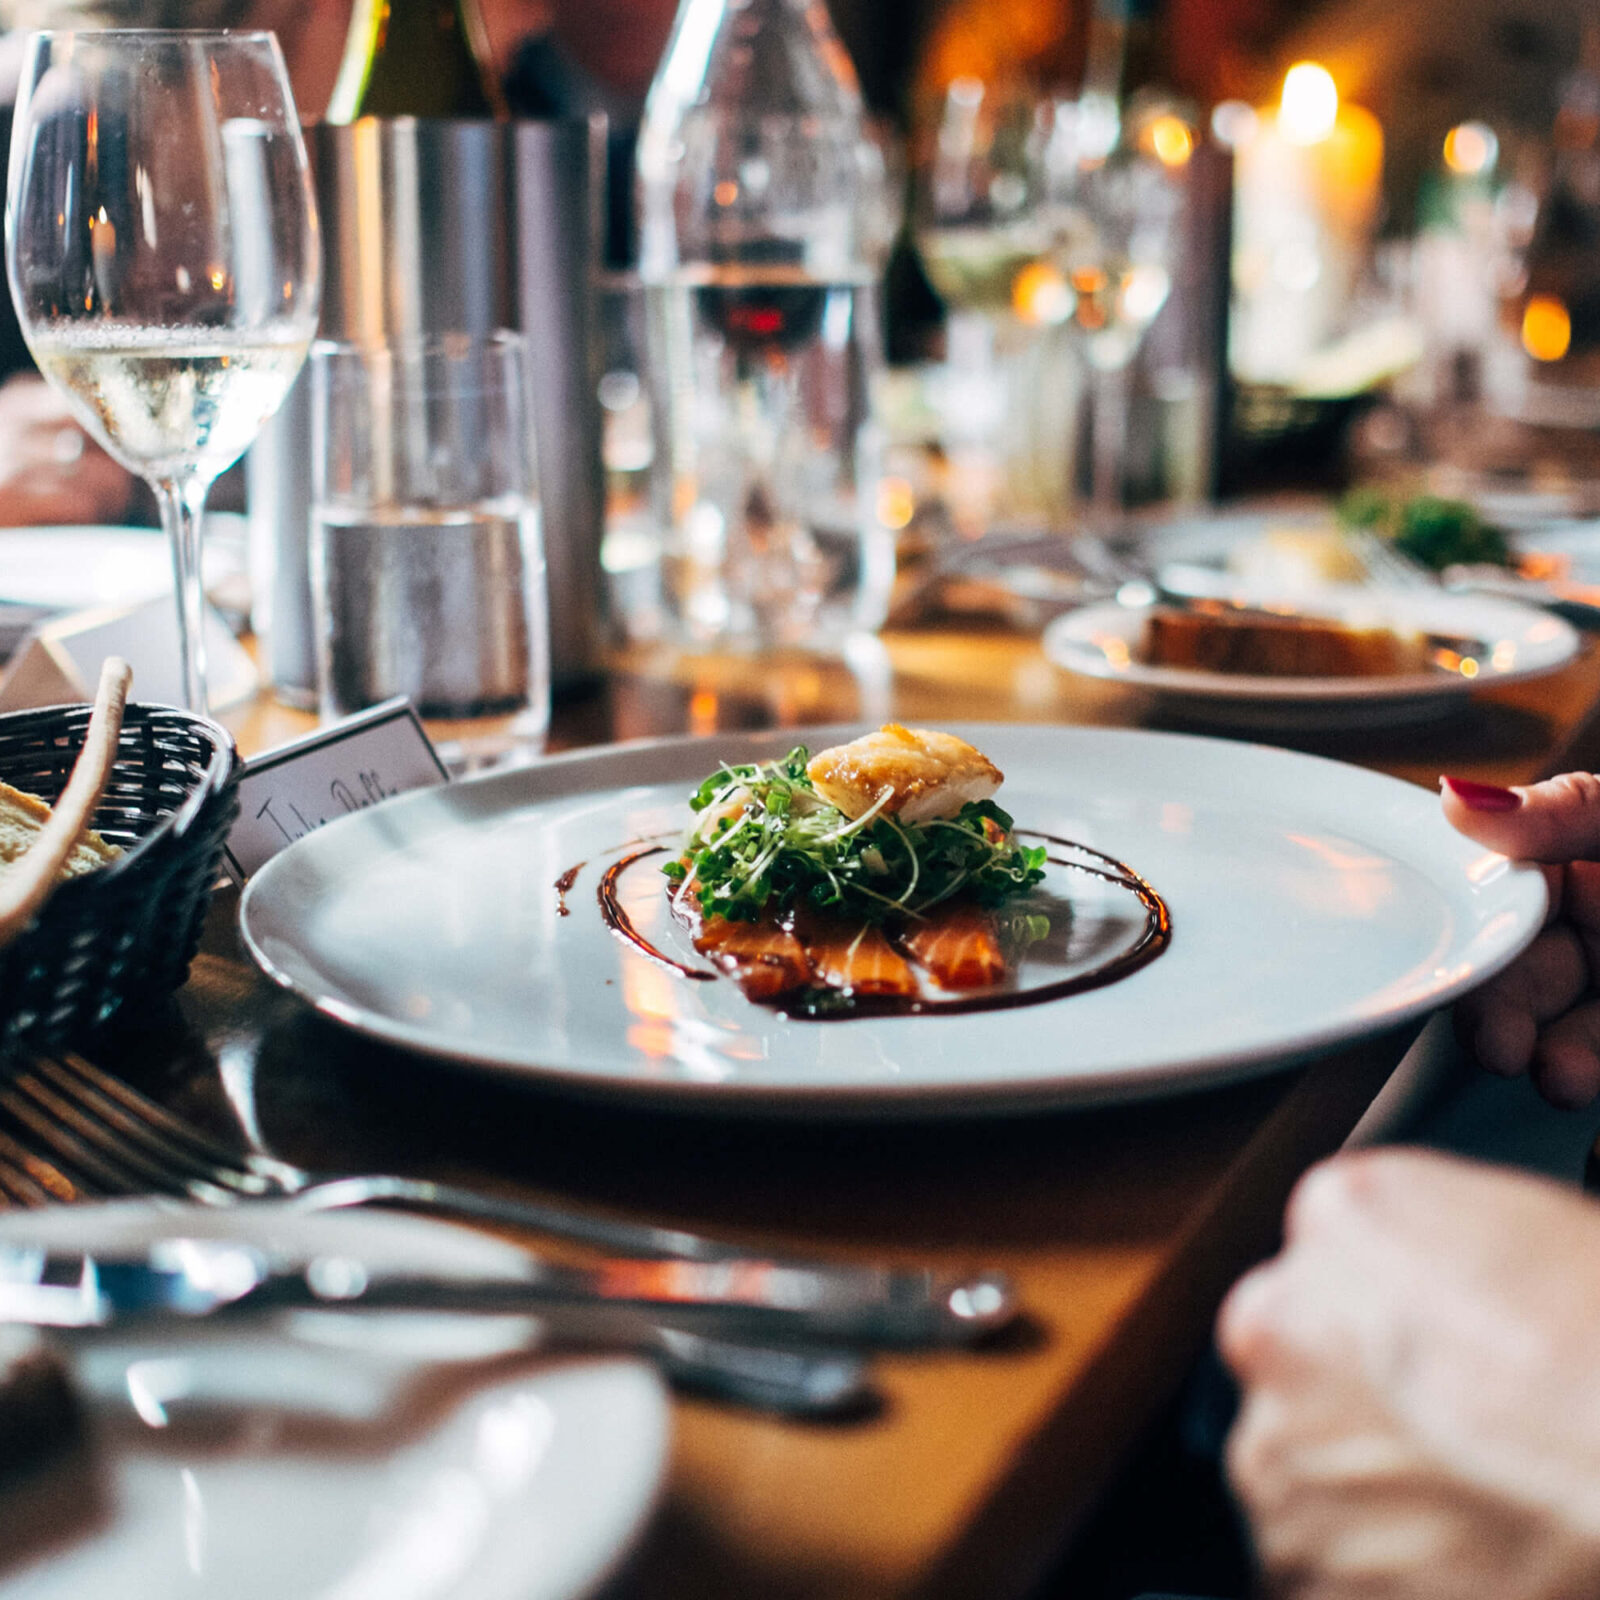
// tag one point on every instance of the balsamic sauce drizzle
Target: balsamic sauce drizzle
(563, 884)
(833, 1005)
(619, 922)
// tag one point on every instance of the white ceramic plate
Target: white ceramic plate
(1102, 641)
(83, 567)
(330, 1457)
(1311, 902)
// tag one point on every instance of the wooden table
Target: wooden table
(1122, 1228)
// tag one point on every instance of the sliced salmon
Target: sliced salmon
(853, 956)
(764, 959)
(959, 945)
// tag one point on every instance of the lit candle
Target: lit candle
(1306, 198)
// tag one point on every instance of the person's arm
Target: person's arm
(50, 470)
(1421, 1386)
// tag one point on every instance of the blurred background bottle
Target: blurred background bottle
(764, 217)
(415, 58)
(1558, 316)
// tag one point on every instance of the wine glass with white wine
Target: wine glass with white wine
(161, 243)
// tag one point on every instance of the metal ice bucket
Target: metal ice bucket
(434, 226)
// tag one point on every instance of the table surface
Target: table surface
(1122, 1228)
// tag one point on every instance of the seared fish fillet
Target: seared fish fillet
(926, 774)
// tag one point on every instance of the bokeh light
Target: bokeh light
(1234, 124)
(1041, 295)
(897, 502)
(1310, 104)
(1471, 149)
(1171, 140)
(1546, 328)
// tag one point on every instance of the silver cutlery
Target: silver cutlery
(204, 1277)
(1388, 566)
(808, 1381)
(102, 1137)
(79, 1133)
(1396, 570)
(188, 1280)
(1497, 583)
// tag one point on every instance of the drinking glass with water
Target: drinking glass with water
(427, 562)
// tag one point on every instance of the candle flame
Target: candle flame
(1310, 104)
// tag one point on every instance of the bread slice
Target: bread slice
(22, 815)
(1264, 644)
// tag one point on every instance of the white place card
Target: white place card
(348, 766)
(59, 663)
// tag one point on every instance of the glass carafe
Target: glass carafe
(762, 206)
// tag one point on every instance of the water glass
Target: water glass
(427, 563)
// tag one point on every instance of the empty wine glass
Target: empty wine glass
(1113, 224)
(1010, 388)
(976, 208)
(161, 243)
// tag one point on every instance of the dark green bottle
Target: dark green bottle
(415, 58)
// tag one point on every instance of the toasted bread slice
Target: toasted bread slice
(1263, 644)
(22, 815)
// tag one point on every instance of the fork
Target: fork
(1390, 567)
(814, 1381)
(1395, 569)
(105, 1138)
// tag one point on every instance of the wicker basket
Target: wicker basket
(120, 938)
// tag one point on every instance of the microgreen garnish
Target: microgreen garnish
(766, 841)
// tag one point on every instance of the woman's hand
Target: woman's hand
(50, 470)
(1421, 1377)
(1542, 1014)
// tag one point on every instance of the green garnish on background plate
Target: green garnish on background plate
(1436, 532)
(768, 843)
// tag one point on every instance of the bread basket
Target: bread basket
(120, 939)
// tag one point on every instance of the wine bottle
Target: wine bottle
(1560, 308)
(415, 58)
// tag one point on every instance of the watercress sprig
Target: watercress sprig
(765, 841)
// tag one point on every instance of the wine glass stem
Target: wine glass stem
(1108, 422)
(182, 501)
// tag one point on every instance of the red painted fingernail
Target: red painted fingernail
(1482, 796)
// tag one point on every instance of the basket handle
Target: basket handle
(25, 887)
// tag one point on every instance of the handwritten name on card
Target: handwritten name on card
(292, 791)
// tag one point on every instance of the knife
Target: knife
(1579, 603)
(180, 1283)
(189, 1278)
